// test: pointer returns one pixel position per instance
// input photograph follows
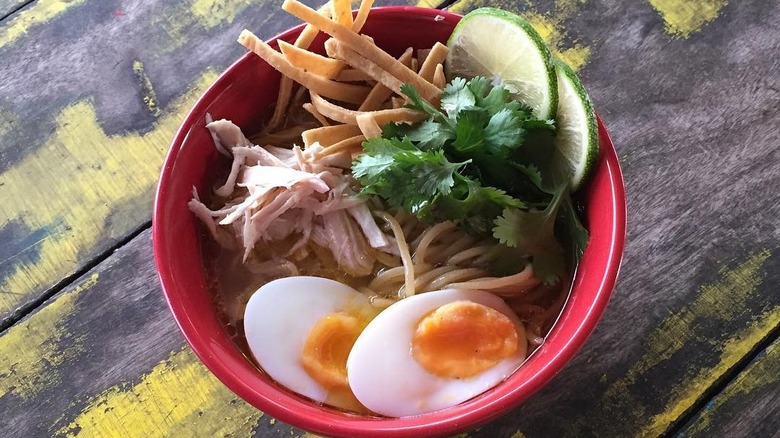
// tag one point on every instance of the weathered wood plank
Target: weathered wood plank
(749, 405)
(8, 7)
(92, 93)
(689, 93)
(692, 106)
(105, 357)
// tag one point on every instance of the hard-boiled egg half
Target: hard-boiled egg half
(300, 330)
(435, 350)
(324, 340)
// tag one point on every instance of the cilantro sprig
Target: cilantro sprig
(480, 160)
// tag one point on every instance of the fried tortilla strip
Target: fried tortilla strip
(329, 135)
(379, 94)
(439, 80)
(352, 144)
(344, 115)
(398, 102)
(353, 75)
(377, 56)
(435, 56)
(316, 114)
(332, 89)
(362, 15)
(303, 41)
(342, 12)
(339, 50)
(368, 125)
(311, 62)
(333, 111)
(398, 115)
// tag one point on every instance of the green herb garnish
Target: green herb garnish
(482, 160)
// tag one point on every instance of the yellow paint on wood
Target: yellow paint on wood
(41, 12)
(685, 395)
(575, 56)
(178, 398)
(31, 352)
(463, 6)
(78, 178)
(211, 13)
(683, 18)
(552, 31)
(721, 300)
(551, 27)
(180, 21)
(147, 90)
(764, 372)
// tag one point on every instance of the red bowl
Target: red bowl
(240, 94)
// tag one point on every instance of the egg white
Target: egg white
(385, 377)
(279, 318)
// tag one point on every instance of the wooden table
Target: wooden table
(91, 94)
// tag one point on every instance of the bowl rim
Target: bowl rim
(448, 421)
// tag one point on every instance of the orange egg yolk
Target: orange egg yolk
(462, 339)
(325, 352)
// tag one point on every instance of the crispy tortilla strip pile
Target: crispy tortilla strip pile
(356, 88)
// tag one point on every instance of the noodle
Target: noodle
(404, 249)
(429, 236)
(467, 254)
(286, 232)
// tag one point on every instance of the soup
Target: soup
(381, 246)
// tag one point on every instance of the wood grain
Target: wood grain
(748, 406)
(93, 92)
(104, 357)
(693, 120)
(8, 7)
(692, 105)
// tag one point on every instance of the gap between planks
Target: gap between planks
(675, 428)
(15, 9)
(32, 306)
(25, 3)
(721, 384)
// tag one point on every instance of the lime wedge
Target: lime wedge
(577, 140)
(501, 46)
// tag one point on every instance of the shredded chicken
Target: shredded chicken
(276, 193)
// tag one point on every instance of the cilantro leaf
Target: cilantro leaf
(426, 134)
(423, 105)
(479, 87)
(575, 232)
(473, 205)
(531, 172)
(378, 157)
(456, 97)
(503, 132)
(533, 123)
(402, 174)
(469, 131)
(533, 233)
(496, 100)
(482, 160)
